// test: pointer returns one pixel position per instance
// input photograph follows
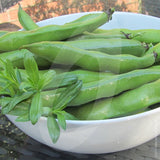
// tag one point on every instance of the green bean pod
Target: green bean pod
(115, 30)
(124, 104)
(90, 76)
(144, 35)
(87, 35)
(25, 20)
(156, 50)
(84, 75)
(14, 40)
(62, 53)
(17, 59)
(108, 87)
(92, 16)
(112, 46)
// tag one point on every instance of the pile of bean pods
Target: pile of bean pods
(109, 73)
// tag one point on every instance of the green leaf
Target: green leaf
(25, 86)
(23, 118)
(67, 96)
(35, 109)
(16, 100)
(7, 89)
(4, 101)
(53, 128)
(46, 79)
(9, 70)
(20, 109)
(69, 116)
(46, 111)
(8, 74)
(31, 69)
(18, 75)
(61, 120)
(61, 80)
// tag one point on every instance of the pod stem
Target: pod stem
(127, 35)
(109, 12)
(155, 54)
(146, 45)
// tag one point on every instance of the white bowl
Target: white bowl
(101, 136)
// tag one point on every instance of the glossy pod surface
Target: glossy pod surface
(14, 40)
(108, 87)
(85, 35)
(137, 99)
(90, 60)
(111, 46)
(25, 20)
(17, 58)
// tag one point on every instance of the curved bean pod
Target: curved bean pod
(25, 20)
(126, 103)
(17, 58)
(112, 46)
(86, 35)
(90, 60)
(156, 50)
(116, 30)
(14, 40)
(90, 76)
(109, 87)
(92, 16)
(144, 35)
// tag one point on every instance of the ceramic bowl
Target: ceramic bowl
(101, 136)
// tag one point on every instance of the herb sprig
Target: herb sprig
(22, 97)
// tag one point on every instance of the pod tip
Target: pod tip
(109, 12)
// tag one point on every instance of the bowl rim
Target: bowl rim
(115, 13)
(112, 120)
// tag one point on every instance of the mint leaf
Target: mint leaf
(10, 72)
(69, 116)
(35, 109)
(31, 69)
(67, 96)
(61, 80)
(53, 128)
(23, 118)
(16, 100)
(46, 79)
(61, 120)
(18, 75)
(20, 109)
(4, 101)
(46, 111)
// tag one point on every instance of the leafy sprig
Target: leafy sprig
(22, 97)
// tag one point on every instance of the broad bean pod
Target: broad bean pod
(123, 104)
(115, 30)
(112, 46)
(14, 40)
(84, 75)
(156, 50)
(62, 53)
(17, 58)
(108, 87)
(87, 35)
(25, 20)
(142, 35)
